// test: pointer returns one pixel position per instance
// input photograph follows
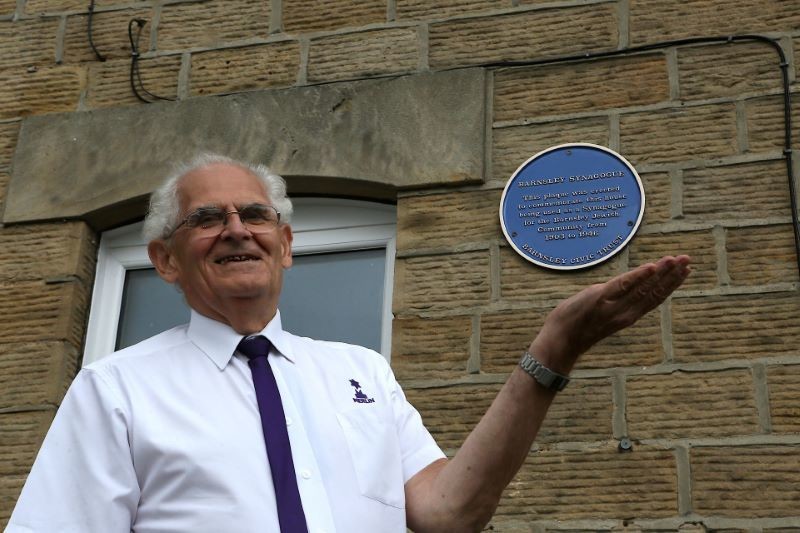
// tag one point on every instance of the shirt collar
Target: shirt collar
(219, 341)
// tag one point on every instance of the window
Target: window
(339, 288)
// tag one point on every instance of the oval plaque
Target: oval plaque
(572, 206)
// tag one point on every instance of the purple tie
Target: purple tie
(273, 423)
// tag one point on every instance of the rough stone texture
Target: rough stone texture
(447, 220)
(244, 69)
(4, 177)
(109, 34)
(451, 412)
(21, 435)
(10, 487)
(66, 247)
(529, 35)
(679, 134)
(655, 20)
(645, 248)
(784, 398)
(580, 413)
(47, 90)
(425, 9)
(594, 484)
(455, 281)
(657, 197)
(55, 6)
(513, 146)
(7, 8)
(110, 83)
(363, 54)
(27, 43)
(686, 405)
(212, 23)
(8, 140)
(746, 482)
(750, 190)
(36, 373)
(580, 87)
(430, 348)
(727, 70)
(325, 15)
(733, 327)
(376, 131)
(521, 280)
(761, 255)
(505, 335)
(765, 125)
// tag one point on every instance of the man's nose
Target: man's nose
(234, 228)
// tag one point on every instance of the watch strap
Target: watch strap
(544, 376)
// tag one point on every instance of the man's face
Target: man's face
(237, 271)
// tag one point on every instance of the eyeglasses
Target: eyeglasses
(257, 218)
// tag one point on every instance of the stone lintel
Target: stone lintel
(360, 138)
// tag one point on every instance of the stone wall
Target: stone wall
(704, 389)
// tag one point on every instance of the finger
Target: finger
(669, 274)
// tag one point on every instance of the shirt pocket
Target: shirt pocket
(375, 454)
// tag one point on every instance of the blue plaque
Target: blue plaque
(572, 206)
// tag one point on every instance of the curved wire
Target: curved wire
(135, 74)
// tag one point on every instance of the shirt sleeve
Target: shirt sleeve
(83, 478)
(417, 446)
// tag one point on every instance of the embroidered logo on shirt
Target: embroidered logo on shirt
(360, 396)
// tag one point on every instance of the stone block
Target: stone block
(4, 178)
(456, 282)
(505, 335)
(748, 326)
(447, 220)
(593, 485)
(683, 134)
(580, 413)
(746, 481)
(27, 44)
(7, 9)
(363, 55)
(365, 133)
(243, 69)
(46, 90)
(691, 405)
(110, 82)
(513, 146)
(35, 373)
(34, 311)
(540, 34)
(450, 413)
(65, 247)
(657, 197)
(765, 123)
(655, 20)
(727, 70)
(784, 398)
(8, 140)
(647, 248)
(303, 16)
(10, 487)
(745, 191)
(521, 280)
(109, 34)
(761, 255)
(591, 86)
(430, 348)
(212, 23)
(33, 7)
(427, 10)
(21, 434)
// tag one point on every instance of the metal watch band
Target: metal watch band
(543, 375)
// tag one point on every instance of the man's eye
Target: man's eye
(206, 219)
(255, 215)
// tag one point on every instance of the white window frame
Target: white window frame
(319, 225)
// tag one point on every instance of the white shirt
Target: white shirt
(165, 436)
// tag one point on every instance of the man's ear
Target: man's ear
(286, 245)
(162, 258)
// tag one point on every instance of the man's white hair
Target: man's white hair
(164, 213)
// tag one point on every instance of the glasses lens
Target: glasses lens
(258, 215)
(206, 218)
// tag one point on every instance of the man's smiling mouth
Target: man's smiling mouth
(235, 259)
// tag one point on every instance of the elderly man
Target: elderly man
(179, 432)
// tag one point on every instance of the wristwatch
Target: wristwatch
(543, 375)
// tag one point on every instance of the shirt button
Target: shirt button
(288, 421)
(305, 473)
